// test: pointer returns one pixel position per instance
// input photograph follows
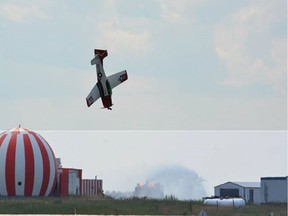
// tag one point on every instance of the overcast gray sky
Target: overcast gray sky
(199, 69)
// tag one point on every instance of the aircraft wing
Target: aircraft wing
(93, 96)
(117, 78)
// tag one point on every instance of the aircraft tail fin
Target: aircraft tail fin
(101, 53)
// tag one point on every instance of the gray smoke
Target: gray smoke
(176, 181)
(119, 194)
(180, 182)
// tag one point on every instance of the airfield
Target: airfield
(75, 205)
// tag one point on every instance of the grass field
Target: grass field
(107, 206)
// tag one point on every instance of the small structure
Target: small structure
(149, 190)
(274, 189)
(202, 213)
(250, 191)
(69, 181)
(92, 187)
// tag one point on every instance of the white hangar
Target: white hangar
(268, 190)
(250, 191)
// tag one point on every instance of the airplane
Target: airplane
(103, 87)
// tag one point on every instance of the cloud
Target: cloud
(177, 11)
(118, 39)
(250, 48)
(22, 13)
(21, 80)
(118, 32)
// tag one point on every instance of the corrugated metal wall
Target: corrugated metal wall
(274, 189)
(92, 187)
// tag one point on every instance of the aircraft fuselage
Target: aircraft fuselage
(104, 87)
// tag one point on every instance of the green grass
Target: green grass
(108, 206)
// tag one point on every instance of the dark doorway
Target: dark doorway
(229, 192)
(251, 195)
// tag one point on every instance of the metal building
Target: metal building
(69, 181)
(250, 191)
(92, 187)
(274, 189)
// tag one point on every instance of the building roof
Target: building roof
(274, 178)
(244, 184)
(248, 184)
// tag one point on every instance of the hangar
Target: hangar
(250, 191)
(269, 190)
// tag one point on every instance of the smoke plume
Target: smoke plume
(176, 181)
(180, 182)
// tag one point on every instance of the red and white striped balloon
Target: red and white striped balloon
(27, 164)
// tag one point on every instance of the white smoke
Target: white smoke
(119, 194)
(177, 181)
(180, 182)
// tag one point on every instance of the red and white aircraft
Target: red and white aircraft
(103, 87)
